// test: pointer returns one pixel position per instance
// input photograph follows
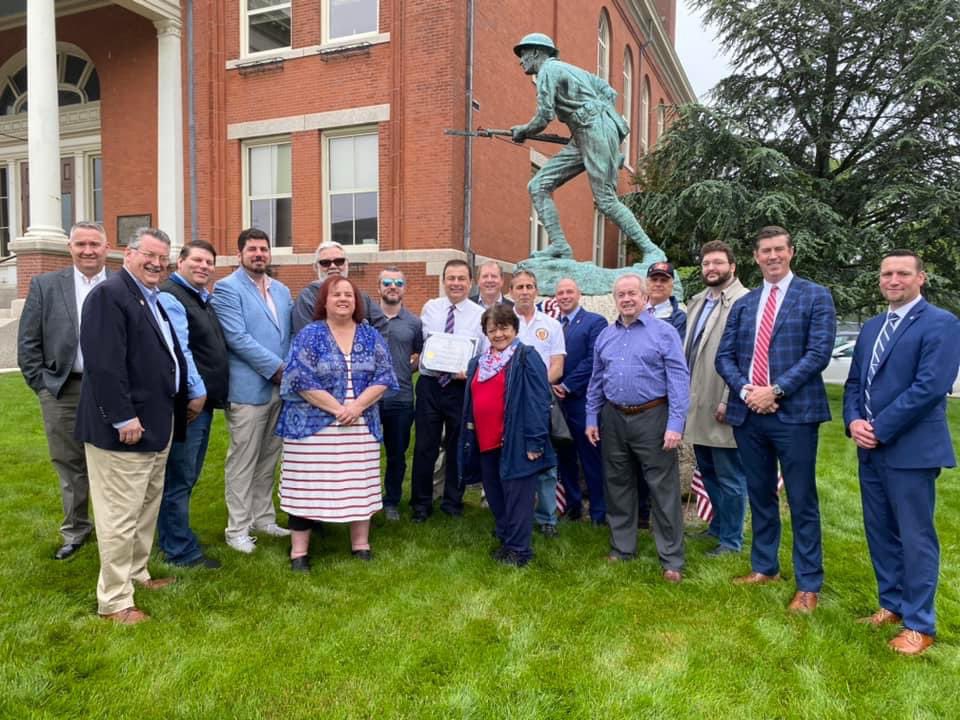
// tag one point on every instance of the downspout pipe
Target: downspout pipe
(468, 150)
(191, 123)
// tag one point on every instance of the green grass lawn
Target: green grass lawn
(434, 629)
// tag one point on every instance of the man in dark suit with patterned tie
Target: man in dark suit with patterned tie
(894, 408)
(777, 341)
(580, 330)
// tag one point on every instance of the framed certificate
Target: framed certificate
(444, 353)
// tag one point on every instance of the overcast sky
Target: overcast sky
(699, 52)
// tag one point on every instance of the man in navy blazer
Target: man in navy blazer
(894, 408)
(777, 341)
(580, 330)
(255, 312)
(132, 404)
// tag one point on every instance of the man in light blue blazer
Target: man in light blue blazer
(894, 408)
(255, 312)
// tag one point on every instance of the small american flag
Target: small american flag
(561, 498)
(704, 506)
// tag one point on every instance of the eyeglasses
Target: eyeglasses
(325, 263)
(390, 282)
(154, 257)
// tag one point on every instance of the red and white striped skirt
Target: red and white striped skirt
(333, 476)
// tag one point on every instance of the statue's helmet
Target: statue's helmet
(536, 40)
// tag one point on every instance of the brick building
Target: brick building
(314, 119)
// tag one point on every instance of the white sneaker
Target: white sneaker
(273, 530)
(242, 543)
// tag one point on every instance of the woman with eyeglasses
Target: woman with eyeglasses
(506, 431)
(337, 370)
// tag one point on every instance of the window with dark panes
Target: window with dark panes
(268, 25)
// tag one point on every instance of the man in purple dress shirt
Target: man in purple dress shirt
(638, 395)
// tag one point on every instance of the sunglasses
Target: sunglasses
(390, 282)
(339, 262)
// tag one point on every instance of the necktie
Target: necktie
(761, 352)
(889, 327)
(564, 323)
(444, 378)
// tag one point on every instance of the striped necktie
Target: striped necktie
(445, 378)
(761, 350)
(883, 341)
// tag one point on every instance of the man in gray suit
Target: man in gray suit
(48, 353)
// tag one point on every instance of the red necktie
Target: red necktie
(762, 349)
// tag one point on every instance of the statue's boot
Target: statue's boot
(555, 249)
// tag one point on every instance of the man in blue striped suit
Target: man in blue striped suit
(777, 341)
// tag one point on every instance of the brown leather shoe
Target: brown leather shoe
(127, 616)
(881, 617)
(672, 576)
(157, 583)
(804, 602)
(911, 642)
(756, 578)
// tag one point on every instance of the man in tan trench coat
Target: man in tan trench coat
(716, 451)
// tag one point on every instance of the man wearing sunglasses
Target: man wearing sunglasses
(331, 261)
(403, 332)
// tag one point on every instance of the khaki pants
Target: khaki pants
(249, 468)
(126, 489)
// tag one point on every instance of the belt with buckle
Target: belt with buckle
(635, 409)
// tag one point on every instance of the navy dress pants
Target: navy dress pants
(511, 502)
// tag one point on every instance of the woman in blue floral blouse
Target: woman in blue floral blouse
(337, 370)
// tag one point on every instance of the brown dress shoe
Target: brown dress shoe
(881, 617)
(804, 602)
(756, 578)
(911, 642)
(127, 616)
(672, 576)
(157, 583)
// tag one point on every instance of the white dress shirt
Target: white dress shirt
(82, 285)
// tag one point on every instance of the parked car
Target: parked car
(838, 369)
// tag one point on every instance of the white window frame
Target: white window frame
(90, 197)
(627, 101)
(621, 250)
(325, 20)
(645, 116)
(661, 120)
(245, 189)
(599, 231)
(329, 135)
(245, 28)
(603, 46)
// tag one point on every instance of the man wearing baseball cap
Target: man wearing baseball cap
(665, 305)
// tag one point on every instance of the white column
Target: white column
(43, 122)
(80, 211)
(169, 132)
(13, 204)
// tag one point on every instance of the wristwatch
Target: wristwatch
(777, 391)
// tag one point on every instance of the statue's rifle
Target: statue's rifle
(491, 132)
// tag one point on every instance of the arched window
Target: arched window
(645, 116)
(603, 47)
(627, 100)
(661, 118)
(77, 83)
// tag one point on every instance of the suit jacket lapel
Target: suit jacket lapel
(70, 298)
(252, 288)
(900, 330)
(144, 306)
(789, 300)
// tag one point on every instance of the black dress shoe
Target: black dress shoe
(419, 516)
(511, 558)
(202, 562)
(300, 564)
(498, 552)
(573, 514)
(363, 554)
(599, 522)
(67, 550)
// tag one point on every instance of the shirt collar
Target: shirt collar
(642, 318)
(462, 305)
(181, 280)
(904, 310)
(782, 285)
(149, 293)
(572, 315)
(82, 279)
(267, 280)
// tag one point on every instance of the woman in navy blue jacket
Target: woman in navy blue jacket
(506, 431)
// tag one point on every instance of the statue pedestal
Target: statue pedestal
(591, 280)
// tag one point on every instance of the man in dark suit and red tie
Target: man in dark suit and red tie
(777, 341)
(894, 408)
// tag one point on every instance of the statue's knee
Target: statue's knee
(606, 203)
(535, 188)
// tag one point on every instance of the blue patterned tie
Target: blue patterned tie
(882, 343)
(444, 378)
